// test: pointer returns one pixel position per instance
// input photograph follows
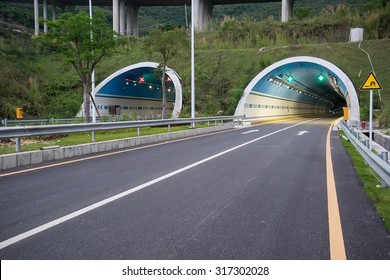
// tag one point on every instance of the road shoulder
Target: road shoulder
(365, 236)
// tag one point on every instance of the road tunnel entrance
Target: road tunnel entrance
(299, 86)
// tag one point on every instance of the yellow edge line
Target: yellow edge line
(336, 240)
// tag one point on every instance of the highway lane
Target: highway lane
(264, 200)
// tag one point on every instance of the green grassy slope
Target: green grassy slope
(221, 73)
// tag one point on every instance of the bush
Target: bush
(384, 118)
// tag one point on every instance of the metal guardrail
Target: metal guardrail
(27, 131)
(53, 121)
(381, 167)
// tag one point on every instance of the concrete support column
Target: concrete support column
(131, 19)
(129, 15)
(203, 10)
(44, 16)
(287, 10)
(53, 10)
(134, 21)
(115, 15)
(122, 17)
(36, 17)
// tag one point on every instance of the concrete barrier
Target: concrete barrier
(382, 139)
(34, 157)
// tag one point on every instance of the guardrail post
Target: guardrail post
(17, 145)
(5, 122)
(169, 128)
(385, 156)
(364, 142)
(208, 123)
(139, 131)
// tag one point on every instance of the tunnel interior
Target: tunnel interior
(305, 82)
(137, 90)
(299, 86)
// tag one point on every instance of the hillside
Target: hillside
(227, 58)
(51, 88)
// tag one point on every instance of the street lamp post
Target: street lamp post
(92, 79)
(192, 63)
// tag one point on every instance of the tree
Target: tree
(168, 42)
(71, 37)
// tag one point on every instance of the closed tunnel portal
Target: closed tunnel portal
(299, 86)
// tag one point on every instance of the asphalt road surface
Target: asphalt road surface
(258, 192)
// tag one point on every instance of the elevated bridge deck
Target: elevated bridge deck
(125, 13)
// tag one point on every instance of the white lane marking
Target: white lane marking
(250, 131)
(300, 133)
(96, 205)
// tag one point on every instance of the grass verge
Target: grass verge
(378, 195)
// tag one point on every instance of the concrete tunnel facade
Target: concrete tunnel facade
(136, 91)
(300, 85)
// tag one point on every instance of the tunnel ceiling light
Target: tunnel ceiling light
(321, 77)
(290, 78)
(280, 82)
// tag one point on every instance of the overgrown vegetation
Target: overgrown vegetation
(332, 24)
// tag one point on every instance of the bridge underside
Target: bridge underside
(125, 12)
(299, 86)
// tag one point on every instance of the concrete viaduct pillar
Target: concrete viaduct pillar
(203, 10)
(36, 15)
(125, 15)
(122, 17)
(131, 19)
(287, 10)
(115, 15)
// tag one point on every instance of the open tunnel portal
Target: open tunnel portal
(299, 86)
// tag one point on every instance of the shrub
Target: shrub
(384, 118)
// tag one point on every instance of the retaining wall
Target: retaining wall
(34, 157)
(382, 139)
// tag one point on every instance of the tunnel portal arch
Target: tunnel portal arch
(297, 86)
(136, 89)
